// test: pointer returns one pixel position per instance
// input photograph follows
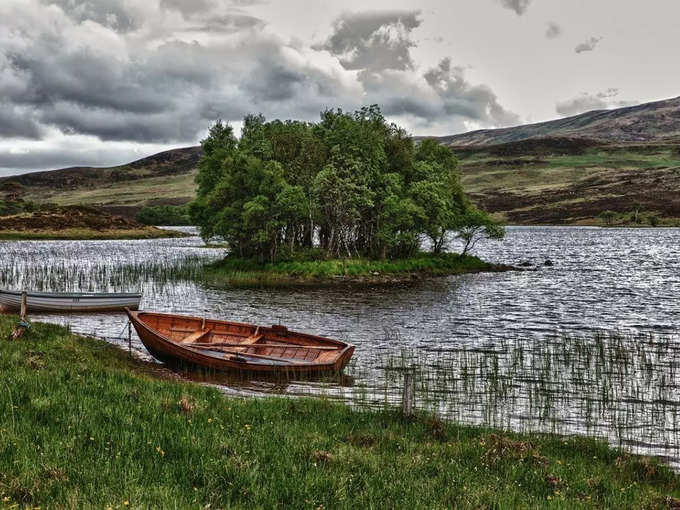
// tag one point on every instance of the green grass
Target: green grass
(82, 425)
(140, 192)
(234, 271)
(88, 234)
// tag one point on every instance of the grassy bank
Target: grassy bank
(238, 272)
(88, 234)
(81, 425)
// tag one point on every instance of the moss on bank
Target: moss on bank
(238, 272)
(81, 425)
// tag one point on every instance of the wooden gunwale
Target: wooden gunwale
(171, 349)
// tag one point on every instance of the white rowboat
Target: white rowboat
(10, 301)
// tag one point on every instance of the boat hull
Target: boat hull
(168, 351)
(37, 302)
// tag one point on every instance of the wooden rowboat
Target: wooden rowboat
(10, 301)
(234, 346)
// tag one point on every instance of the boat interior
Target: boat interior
(274, 343)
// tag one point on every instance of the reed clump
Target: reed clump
(618, 386)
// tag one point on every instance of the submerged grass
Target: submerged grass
(239, 272)
(82, 425)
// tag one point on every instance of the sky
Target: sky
(105, 82)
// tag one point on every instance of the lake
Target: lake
(588, 344)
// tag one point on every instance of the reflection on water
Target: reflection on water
(601, 279)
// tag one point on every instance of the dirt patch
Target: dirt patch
(64, 218)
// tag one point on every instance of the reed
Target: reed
(620, 387)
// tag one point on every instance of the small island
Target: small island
(21, 220)
(350, 198)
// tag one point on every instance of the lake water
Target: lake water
(491, 348)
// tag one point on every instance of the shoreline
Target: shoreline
(79, 234)
(243, 273)
(159, 441)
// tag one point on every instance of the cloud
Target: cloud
(375, 40)
(477, 102)
(586, 102)
(519, 6)
(113, 14)
(116, 73)
(553, 31)
(17, 122)
(588, 45)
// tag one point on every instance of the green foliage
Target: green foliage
(305, 269)
(164, 215)
(10, 207)
(352, 184)
(653, 220)
(476, 225)
(635, 214)
(82, 425)
(608, 217)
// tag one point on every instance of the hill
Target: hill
(646, 123)
(166, 178)
(566, 171)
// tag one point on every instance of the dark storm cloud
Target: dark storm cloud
(17, 122)
(586, 102)
(125, 73)
(519, 6)
(553, 31)
(154, 93)
(588, 45)
(376, 40)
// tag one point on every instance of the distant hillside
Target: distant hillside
(651, 122)
(566, 171)
(164, 178)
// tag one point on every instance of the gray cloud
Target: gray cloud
(586, 102)
(17, 122)
(109, 13)
(588, 45)
(124, 74)
(553, 31)
(519, 6)
(477, 102)
(164, 93)
(376, 40)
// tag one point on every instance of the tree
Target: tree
(607, 217)
(475, 225)
(637, 206)
(352, 183)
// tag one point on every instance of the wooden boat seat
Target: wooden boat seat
(251, 339)
(194, 337)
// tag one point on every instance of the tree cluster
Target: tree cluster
(351, 185)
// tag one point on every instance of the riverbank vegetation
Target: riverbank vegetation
(75, 222)
(241, 272)
(83, 425)
(352, 186)
(175, 215)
